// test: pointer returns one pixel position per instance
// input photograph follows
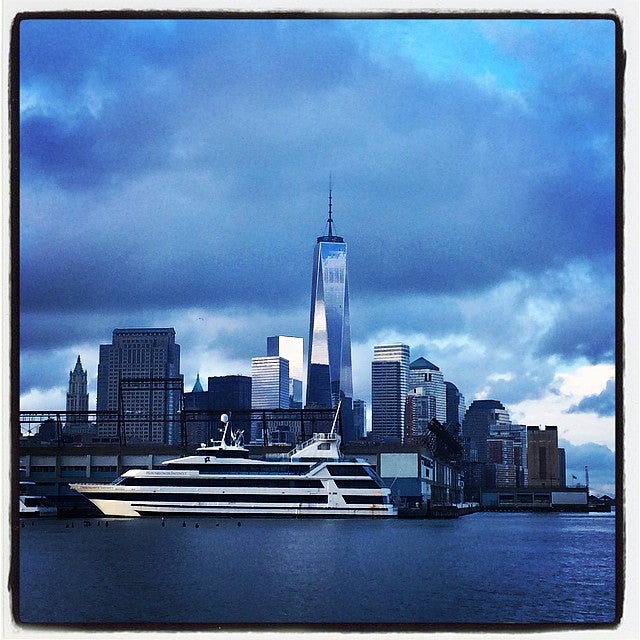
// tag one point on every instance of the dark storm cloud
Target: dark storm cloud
(602, 404)
(172, 165)
(585, 325)
(260, 109)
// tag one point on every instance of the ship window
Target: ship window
(365, 483)
(347, 470)
(365, 499)
(324, 446)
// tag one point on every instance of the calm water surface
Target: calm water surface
(481, 568)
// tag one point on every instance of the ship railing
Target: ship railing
(317, 437)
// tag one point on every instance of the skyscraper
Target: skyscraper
(269, 383)
(424, 374)
(456, 408)
(481, 417)
(139, 377)
(229, 393)
(329, 377)
(359, 418)
(292, 349)
(420, 410)
(77, 396)
(77, 403)
(389, 389)
(542, 453)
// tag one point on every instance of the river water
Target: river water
(484, 568)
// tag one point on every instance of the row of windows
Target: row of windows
(189, 497)
(224, 468)
(302, 483)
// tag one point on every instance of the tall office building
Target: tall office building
(389, 389)
(329, 377)
(426, 375)
(505, 432)
(562, 467)
(456, 408)
(269, 383)
(359, 419)
(77, 396)
(77, 403)
(292, 349)
(480, 417)
(542, 454)
(229, 393)
(139, 377)
(420, 409)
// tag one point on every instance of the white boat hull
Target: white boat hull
(123, 508)
(313, 480)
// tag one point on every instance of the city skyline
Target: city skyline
(469, 193)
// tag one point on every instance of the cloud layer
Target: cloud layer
(175, 173)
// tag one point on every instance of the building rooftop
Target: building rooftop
(197, 387)
(423, 363)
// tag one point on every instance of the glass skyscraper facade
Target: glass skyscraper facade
(389, 389)
(426, 375)
(291, 348)
(269, 383)
(329, 377)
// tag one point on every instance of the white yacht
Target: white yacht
(221, 479)
(34, 505)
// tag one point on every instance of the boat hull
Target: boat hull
(134, 509)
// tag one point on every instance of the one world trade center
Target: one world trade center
(329, 377)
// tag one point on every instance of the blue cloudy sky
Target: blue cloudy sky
(176, 173)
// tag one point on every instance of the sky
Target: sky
(175, 173)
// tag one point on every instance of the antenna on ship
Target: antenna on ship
(330, 220)
(224, 418)
(332, 433)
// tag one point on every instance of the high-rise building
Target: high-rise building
(562, 468)
(359, 419)
(269, 383)
(229, 393)
(389, 389)
(542, 456)
(290, 348)
(456, 408)
(77, 396)
(420, 409)
(478, 420)
(513, 437)
(77, 403)
(139, 377)
(425, 374)
(329, 377)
